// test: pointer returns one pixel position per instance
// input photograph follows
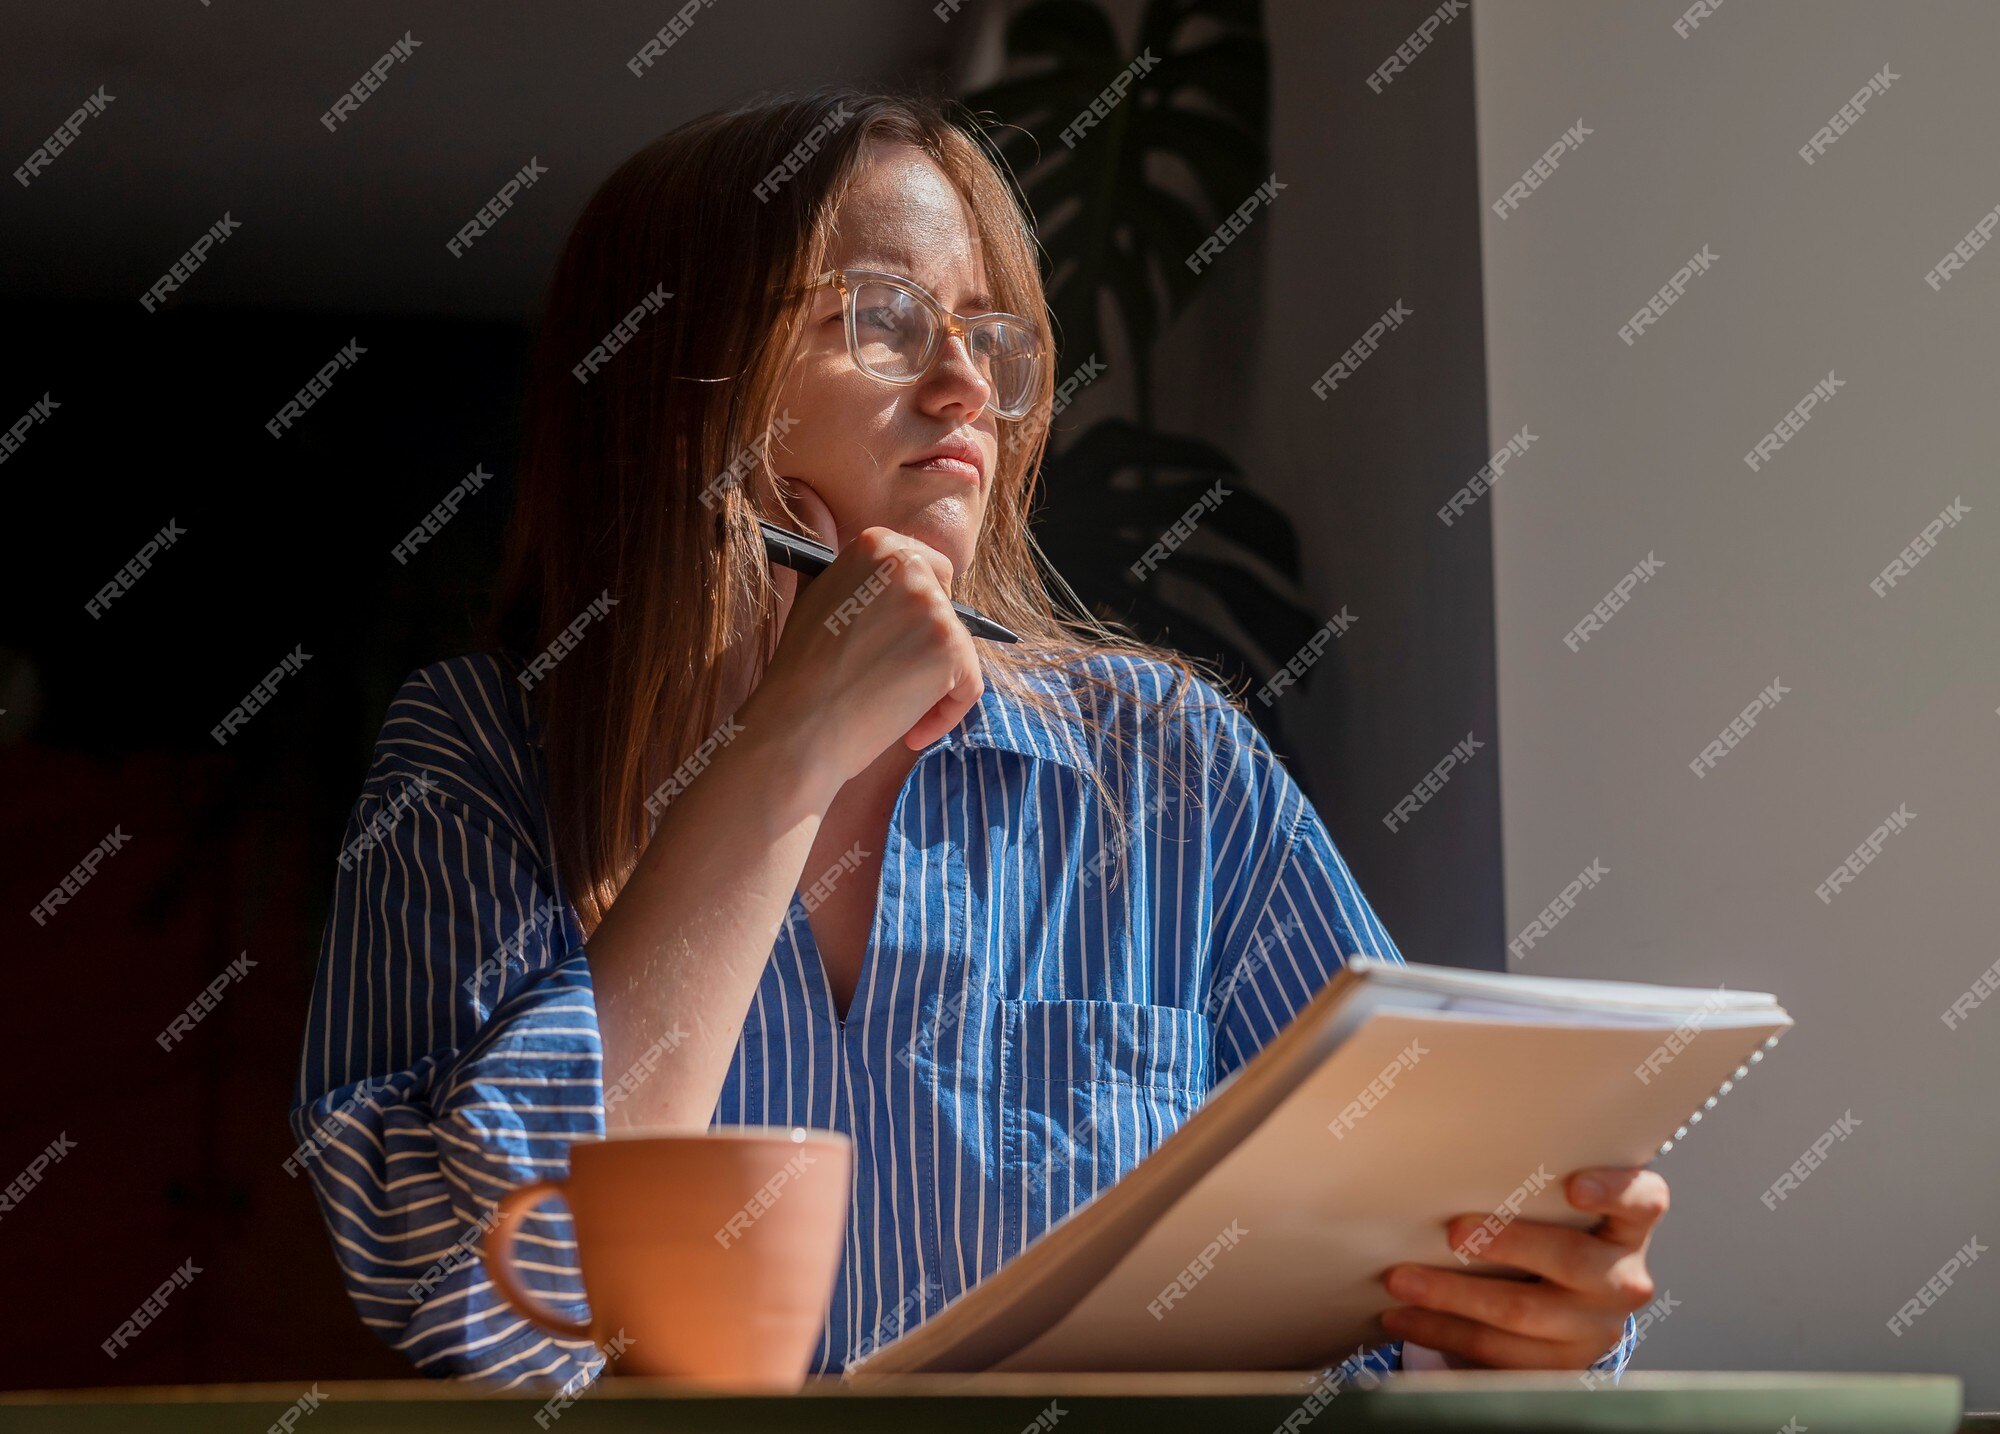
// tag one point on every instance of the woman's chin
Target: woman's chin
(948, 525)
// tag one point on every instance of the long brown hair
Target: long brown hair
(622, 488)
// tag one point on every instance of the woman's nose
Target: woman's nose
(957, 373)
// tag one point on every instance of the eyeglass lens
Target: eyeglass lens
(894, 332)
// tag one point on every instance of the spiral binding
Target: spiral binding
(1721, 1090)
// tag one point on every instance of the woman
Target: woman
(694, 843)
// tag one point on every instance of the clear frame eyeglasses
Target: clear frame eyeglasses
(895, 331)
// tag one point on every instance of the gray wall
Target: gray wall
(1765, 575)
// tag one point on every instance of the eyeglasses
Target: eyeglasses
(895, 331)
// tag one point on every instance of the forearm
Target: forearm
(676, 960)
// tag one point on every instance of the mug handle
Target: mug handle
(497, 1250)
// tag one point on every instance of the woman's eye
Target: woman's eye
(884, 318)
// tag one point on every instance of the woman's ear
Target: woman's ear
(811, 510)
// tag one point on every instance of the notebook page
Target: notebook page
(1486, 1109)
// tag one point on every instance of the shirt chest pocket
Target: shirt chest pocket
(1088, 1089)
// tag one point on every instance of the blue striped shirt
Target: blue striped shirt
(1033, 1017)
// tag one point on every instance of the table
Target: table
(1457, 1401)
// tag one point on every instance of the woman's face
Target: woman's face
(859, 442)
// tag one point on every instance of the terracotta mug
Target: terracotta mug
(707, 1256)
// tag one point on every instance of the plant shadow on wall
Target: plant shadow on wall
(1105, 144)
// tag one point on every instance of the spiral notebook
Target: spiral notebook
(1256, 1235)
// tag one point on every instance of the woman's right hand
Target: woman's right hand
(870, 650)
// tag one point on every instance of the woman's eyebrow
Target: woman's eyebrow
(979, 303)
(900, 263)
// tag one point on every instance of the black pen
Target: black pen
(809, 557)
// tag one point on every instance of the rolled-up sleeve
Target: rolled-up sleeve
(1613, 1364)
(451, 1052)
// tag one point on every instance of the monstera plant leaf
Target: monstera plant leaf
(1118, 490)
(1122, 195)
(1195, 105)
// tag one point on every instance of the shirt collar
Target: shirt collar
(1005, 720)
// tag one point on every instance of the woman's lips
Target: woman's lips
(957, 467)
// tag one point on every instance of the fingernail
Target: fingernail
(1407, 1284)
(1590, 1188)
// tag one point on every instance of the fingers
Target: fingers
(906, 574)
(949, 709)
(968, 682)
(1588, 1280)
(886, 601)
(1573, 1259)
(1631, 1200)
(1484, 1344)
(1523, 1307)
(938, 563)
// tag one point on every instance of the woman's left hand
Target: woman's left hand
(1569, 1318)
